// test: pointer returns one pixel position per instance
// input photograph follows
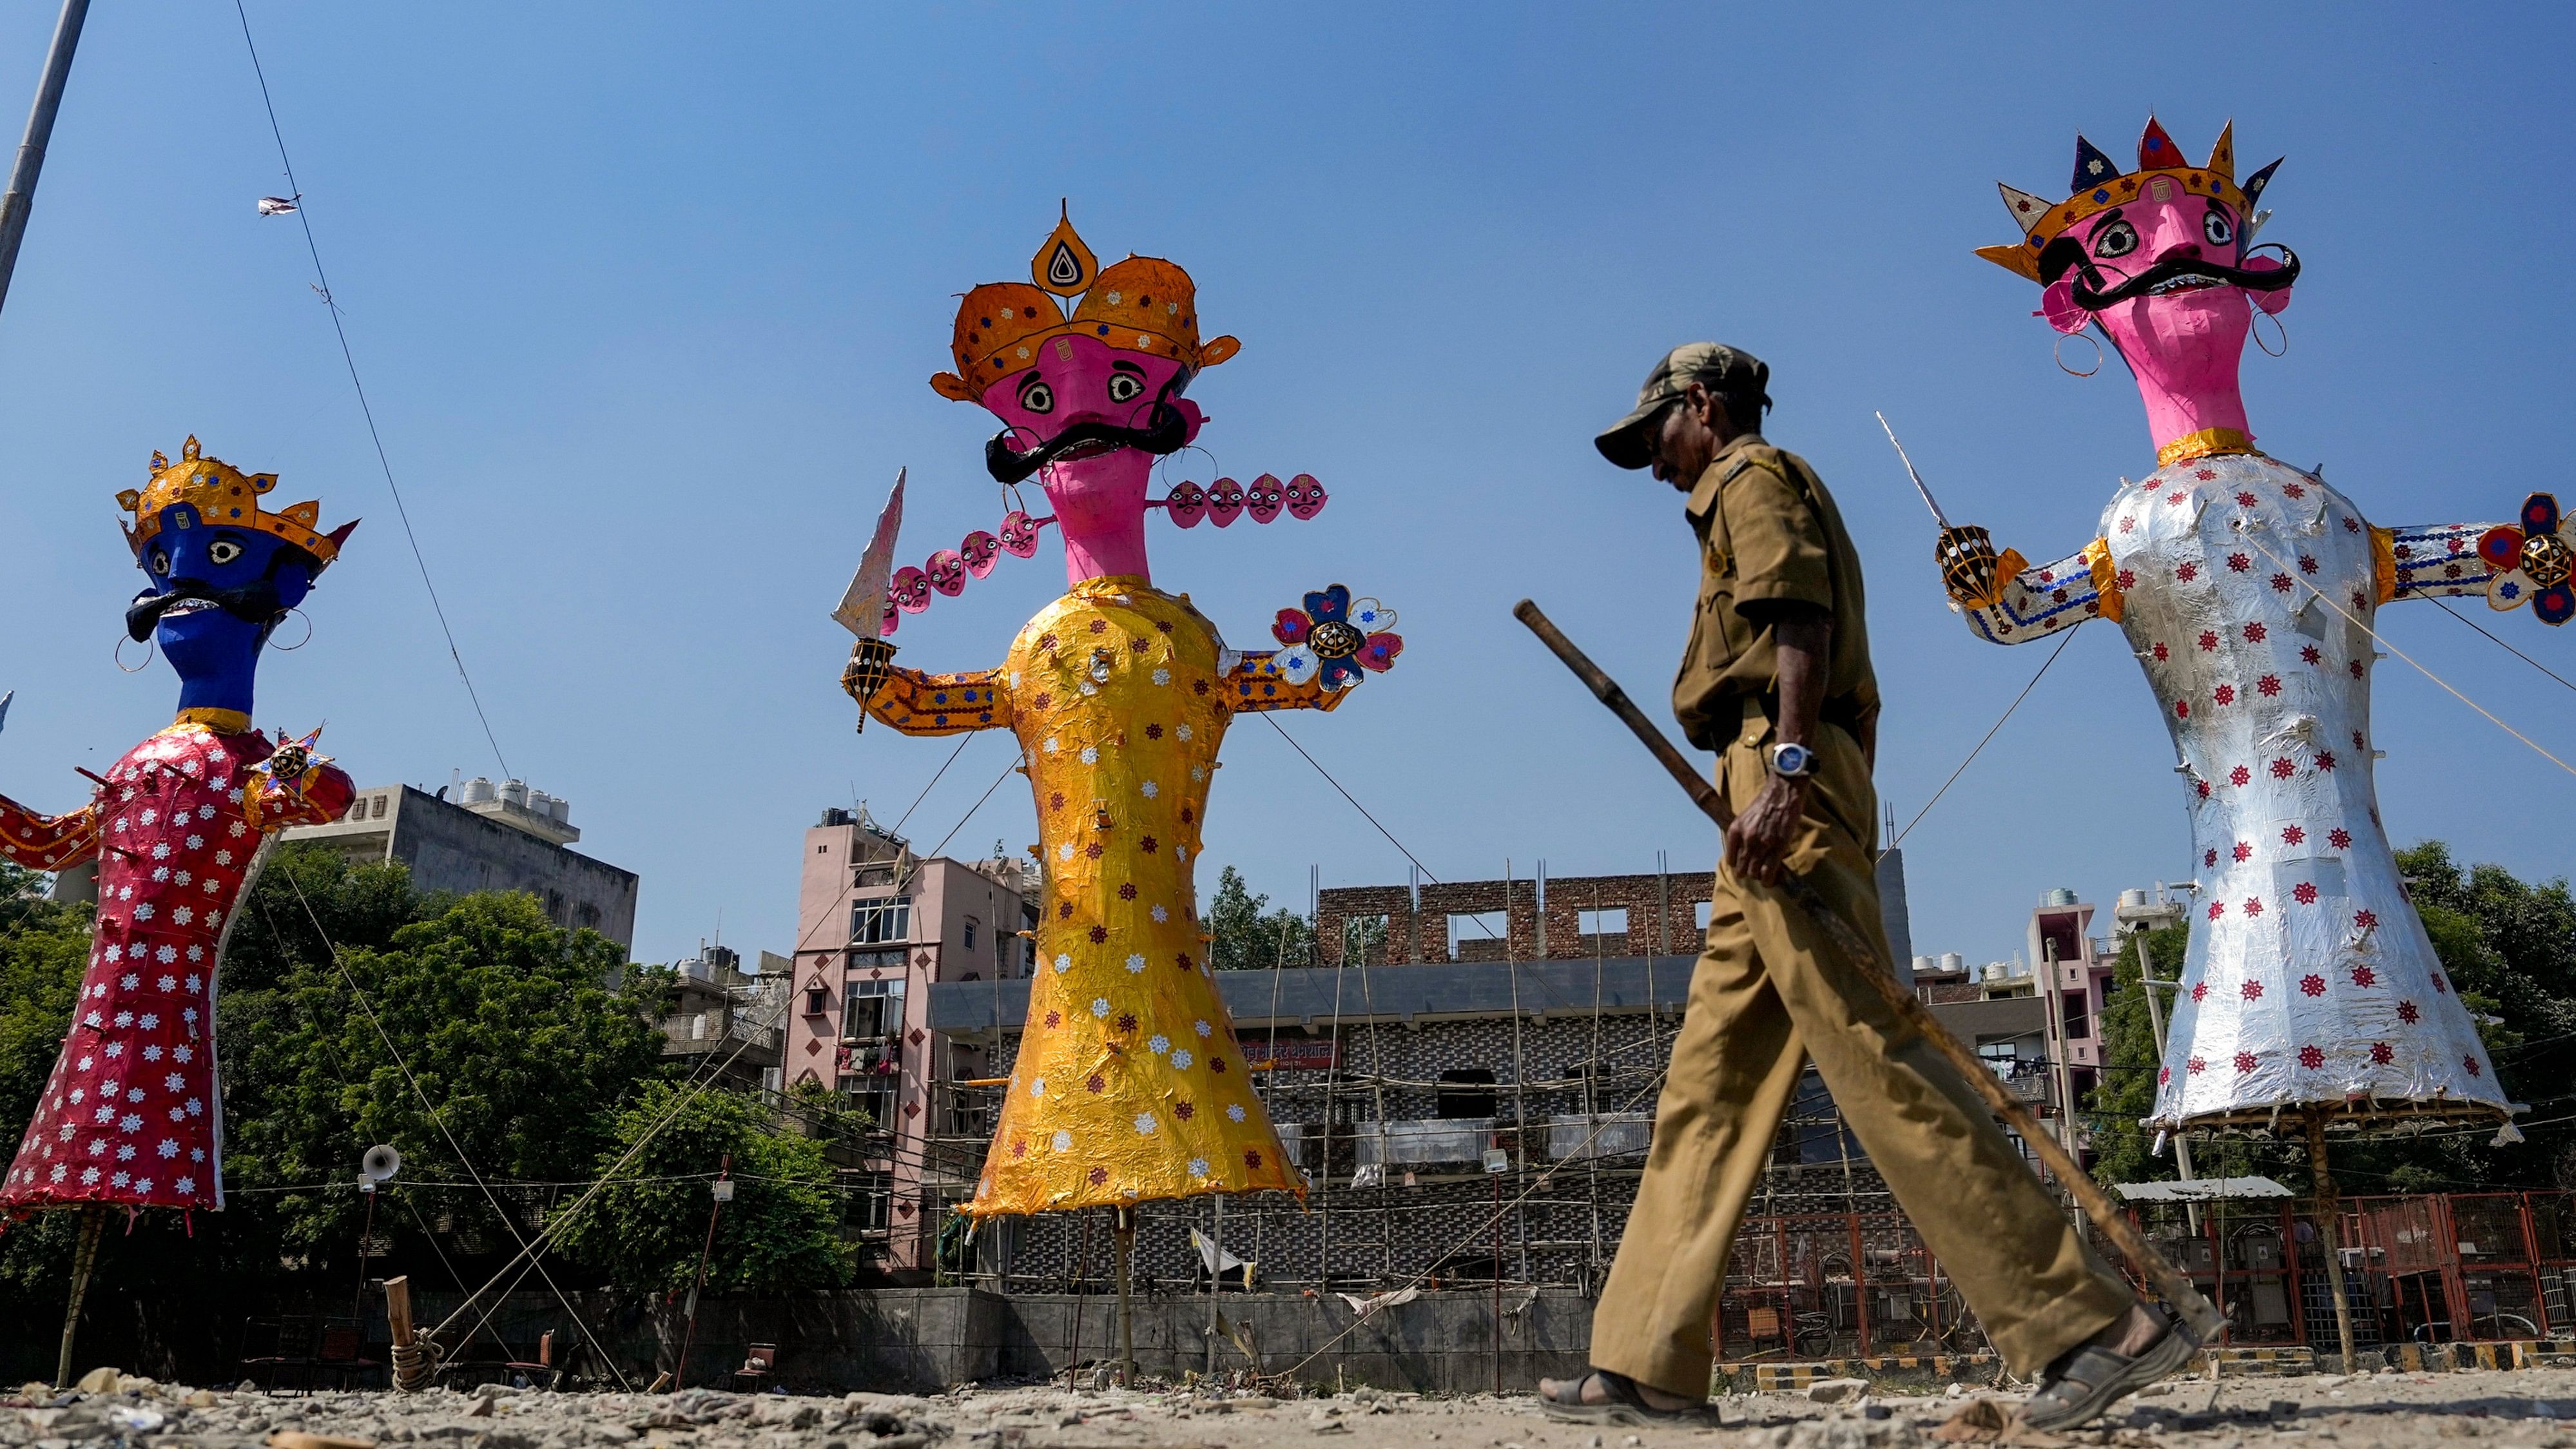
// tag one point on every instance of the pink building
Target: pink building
(875, 925)
(2064, 952)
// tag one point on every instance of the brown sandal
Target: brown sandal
(1625, 1404)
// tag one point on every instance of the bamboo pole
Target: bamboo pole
(1123, 1227)
(84, 1258)
(2329, 1217)
(2199, 1318)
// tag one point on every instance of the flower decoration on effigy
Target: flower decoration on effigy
(2533, 562)
(1333, 638)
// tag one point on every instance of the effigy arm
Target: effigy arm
(2014, 604)
(1258, 685)
(919, 703)
(47, 842)
(2430, 560)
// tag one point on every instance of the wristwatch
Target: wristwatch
(1792, 762)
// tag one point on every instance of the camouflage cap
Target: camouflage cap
(1717, 367)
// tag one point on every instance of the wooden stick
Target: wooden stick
(2198, 1317)
(84, 1257)
(2329, 1226)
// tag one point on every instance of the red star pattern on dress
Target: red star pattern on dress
(2293, 835)
(2365, 919)
(2187, 572)
(2253, 907)
(2381, 1054)
(2312, 1057)
(2305, 893)
(2339, 838)
(2223, 694)
(2255, 632)
(2245, 1062)
(2312, 985)
(2364, 976)
(2244, 850)
(2250, 990)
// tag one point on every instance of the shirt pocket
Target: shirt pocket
(1720, 633)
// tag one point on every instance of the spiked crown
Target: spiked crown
(2100, 184)
(224, 496)
(1143, 304)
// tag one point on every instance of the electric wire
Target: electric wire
(2062, 641)
(350, 357)
(1365, 815)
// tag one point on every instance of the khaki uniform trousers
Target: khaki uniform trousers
(1769, 991)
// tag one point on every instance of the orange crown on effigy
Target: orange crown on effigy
(225, 497)
(2100, 184)
(1143, 304)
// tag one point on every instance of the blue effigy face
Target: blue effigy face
(214, 596)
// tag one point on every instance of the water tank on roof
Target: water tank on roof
(479, 791)
(540, 803)
(1923, 966)
(1953, 961)
(1994, 971)
(2133, 900)
(560, 808)
(515, 792)
(2058, 897)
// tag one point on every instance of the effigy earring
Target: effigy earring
(300, 643)
(121, 642)
(2278, 325)
(2056, 350)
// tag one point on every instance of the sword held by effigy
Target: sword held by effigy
(1970, 567)
(2199, 1318)
(862, 609)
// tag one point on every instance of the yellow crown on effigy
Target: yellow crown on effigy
(1143, 304)
(2100, 184)
(224, 497)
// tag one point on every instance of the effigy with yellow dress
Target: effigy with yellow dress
(1129, 1086)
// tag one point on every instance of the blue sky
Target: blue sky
(646, 296)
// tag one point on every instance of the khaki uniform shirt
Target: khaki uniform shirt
(1769, 533)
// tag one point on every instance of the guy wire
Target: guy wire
(2062, 641)
(2409, 658)
(303, 217)
(2509, 649)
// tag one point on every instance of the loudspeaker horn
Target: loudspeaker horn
(381, 1163)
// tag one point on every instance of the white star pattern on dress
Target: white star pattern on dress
(1198, 1167)
(1204, 1030)
(1181, 1061)
(168, 1147)
(1159, 1045)
(1145, 1124)
(1100, 1006)
(1160, 915)
(1149, 789)
(1063, 1143)
(1234, 1113)
(1136, 965)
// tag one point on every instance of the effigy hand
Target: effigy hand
(2534, 562)
(1969, 567)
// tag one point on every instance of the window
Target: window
(862, 960)
(1611, 922)
(1455, 1099)
(882, 919)
(1478, 935)
(970, 933)
(2079, 1021)
(817, 1001)
(872, 1009)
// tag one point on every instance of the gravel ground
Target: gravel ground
(2528, 1408)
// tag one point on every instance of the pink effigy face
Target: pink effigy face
(2182, 329)
(1097, 487)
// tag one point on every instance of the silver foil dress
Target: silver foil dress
(2243, 585)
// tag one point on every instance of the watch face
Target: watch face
(1792, 759)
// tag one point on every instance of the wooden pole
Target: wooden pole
(84, 1257)
(1123, 1228)
(358, 1303)
(715, 1209)
(2199, 1318)
(2329, 1218)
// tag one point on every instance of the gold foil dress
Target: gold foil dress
(1129, 1085)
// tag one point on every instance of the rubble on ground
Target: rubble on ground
(2528, 1409)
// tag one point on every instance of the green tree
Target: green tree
(644, 1232)
(44, 947)
(1247, 939)
(2126, 1091)
(502, 1021)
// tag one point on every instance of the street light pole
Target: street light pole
(40, 132)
